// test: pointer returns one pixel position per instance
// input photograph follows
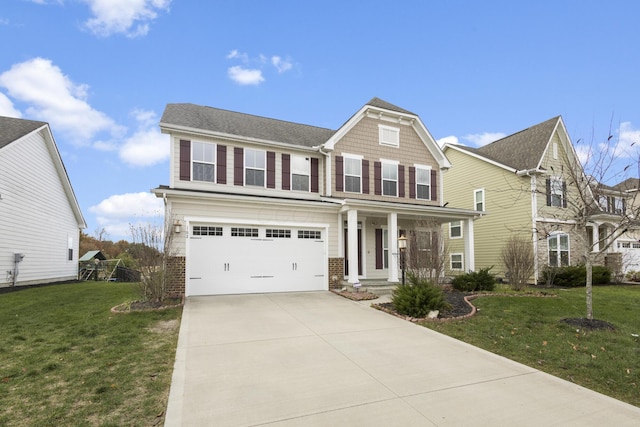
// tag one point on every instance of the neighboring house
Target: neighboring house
(264, 205)
(521, 183)
(623, 199)
(40, 219)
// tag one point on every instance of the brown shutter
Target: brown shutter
(548, 192)
(400, 180)
(434, 185)
(238, 166)
(286, 172)
(315, 175)
(377, 178)
(379, 250)
(271, 169)
(365, 176)
(339, 173)
(412, 182)
(221, 177)
(185, 160)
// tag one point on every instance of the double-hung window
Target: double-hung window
(455, 229)
(254, 167)
(352, 174)
(203, 161)
(478, 198)
(456, 261)
(389, 179)
(556, 188)
(300, 173)
(558, 250)
(423, 183)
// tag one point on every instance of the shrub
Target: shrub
(418, 298)
(519, 262)
(574, 276)
(475, 281)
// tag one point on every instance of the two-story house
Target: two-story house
(265, 205)
(525, 183)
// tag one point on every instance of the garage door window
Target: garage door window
(309, 234)
(278, 234)
(244, 232)
(205, 230)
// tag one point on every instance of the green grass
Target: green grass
(65, 359)
(529, 330)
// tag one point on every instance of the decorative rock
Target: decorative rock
(433, 314)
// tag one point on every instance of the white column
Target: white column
(352, 245)
(595, 235)
(392, 244)
(469, 251)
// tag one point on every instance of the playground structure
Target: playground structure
(95, 266)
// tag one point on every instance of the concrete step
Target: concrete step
(378, 288)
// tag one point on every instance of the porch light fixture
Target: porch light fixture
(402, 246)
(177, 226)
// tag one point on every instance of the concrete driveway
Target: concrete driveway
(318, 359)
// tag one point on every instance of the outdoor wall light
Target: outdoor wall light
(177, 226)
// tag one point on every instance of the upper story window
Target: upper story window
(478, 197)
(203, 161)
(389, 135)
(455, 229)
(254, 167)
(556, 192)
(300, 173)
(558, 250)
(423, 183)
(353, 174)
(389, 179)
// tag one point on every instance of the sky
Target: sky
(101, 72)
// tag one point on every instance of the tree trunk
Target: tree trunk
(589, 287)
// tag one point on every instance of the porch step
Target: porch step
(379, 288)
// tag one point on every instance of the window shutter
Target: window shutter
(400, 180)
(365, 176)
(564, 194)
(434, 185)
(379, 250)
(339, 173)
(548, 183)
(185, 160)
(238, 166)
(286, 172)
(624, 206)
(412, 182)
(221, 158)
(377, 178)
(271, 169)
(315, 175)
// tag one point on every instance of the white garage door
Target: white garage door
(238, 259)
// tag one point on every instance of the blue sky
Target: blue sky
(101, 72)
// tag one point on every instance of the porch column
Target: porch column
(469, 252)
(352, 244)
(595, 235)
(392, 244)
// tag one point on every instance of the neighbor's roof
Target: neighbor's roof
(522, 150)
(12, 129)
(629, 184)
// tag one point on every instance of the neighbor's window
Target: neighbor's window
(300, 173)
(478, 196)
(423, 183)
(389, 135)
(455, 229)
(389, 179)
(456, 261)
(558, 250)
(254, 166)
(203, 156)
(557, 192)
(352, 174)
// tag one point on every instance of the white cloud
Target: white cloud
(629, 140)
(128, 17)
(480, 139)
(53, 97)
(244, 76)
(115, 213)
(447, 140)
(7, 109)
(281, 64)
(234, 54)
(148, 146)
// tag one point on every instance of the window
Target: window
(626, 245)
(456, 262)
(555, 150)
(635, 245)
(389, 179)
(423, 183)
(278, 234)
(70, 248)
(556, 189)
(455, 229)
(618, 205)
(389, 135)
(244, 232)
(478, 197)
(309, 234)
(206, 230)
(352, 174)
(300, 173)
(558, 250)
(203, 161)
(385, 248)
(254, 165)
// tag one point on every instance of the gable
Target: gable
(12, 129)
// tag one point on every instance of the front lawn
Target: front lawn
(529, 330)
(65, 359)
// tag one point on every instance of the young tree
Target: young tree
(426, 254)
(518, 260)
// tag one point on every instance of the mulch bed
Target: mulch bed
(590, 324)
(128, 307)
(460, 307)
(356, 296)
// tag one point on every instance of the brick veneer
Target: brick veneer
(177, 274)
(336, 272)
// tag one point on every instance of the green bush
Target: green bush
(475, 281)
(418, 297)
(574, 276)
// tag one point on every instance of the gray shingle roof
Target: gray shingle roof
(12, 129)
(522, 150)
(377, 102)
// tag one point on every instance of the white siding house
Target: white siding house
(40, 219)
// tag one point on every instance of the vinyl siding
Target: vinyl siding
(35, 216)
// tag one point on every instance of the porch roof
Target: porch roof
(407, 210)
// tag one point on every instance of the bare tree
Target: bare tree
(427, 251)
(519, 261)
